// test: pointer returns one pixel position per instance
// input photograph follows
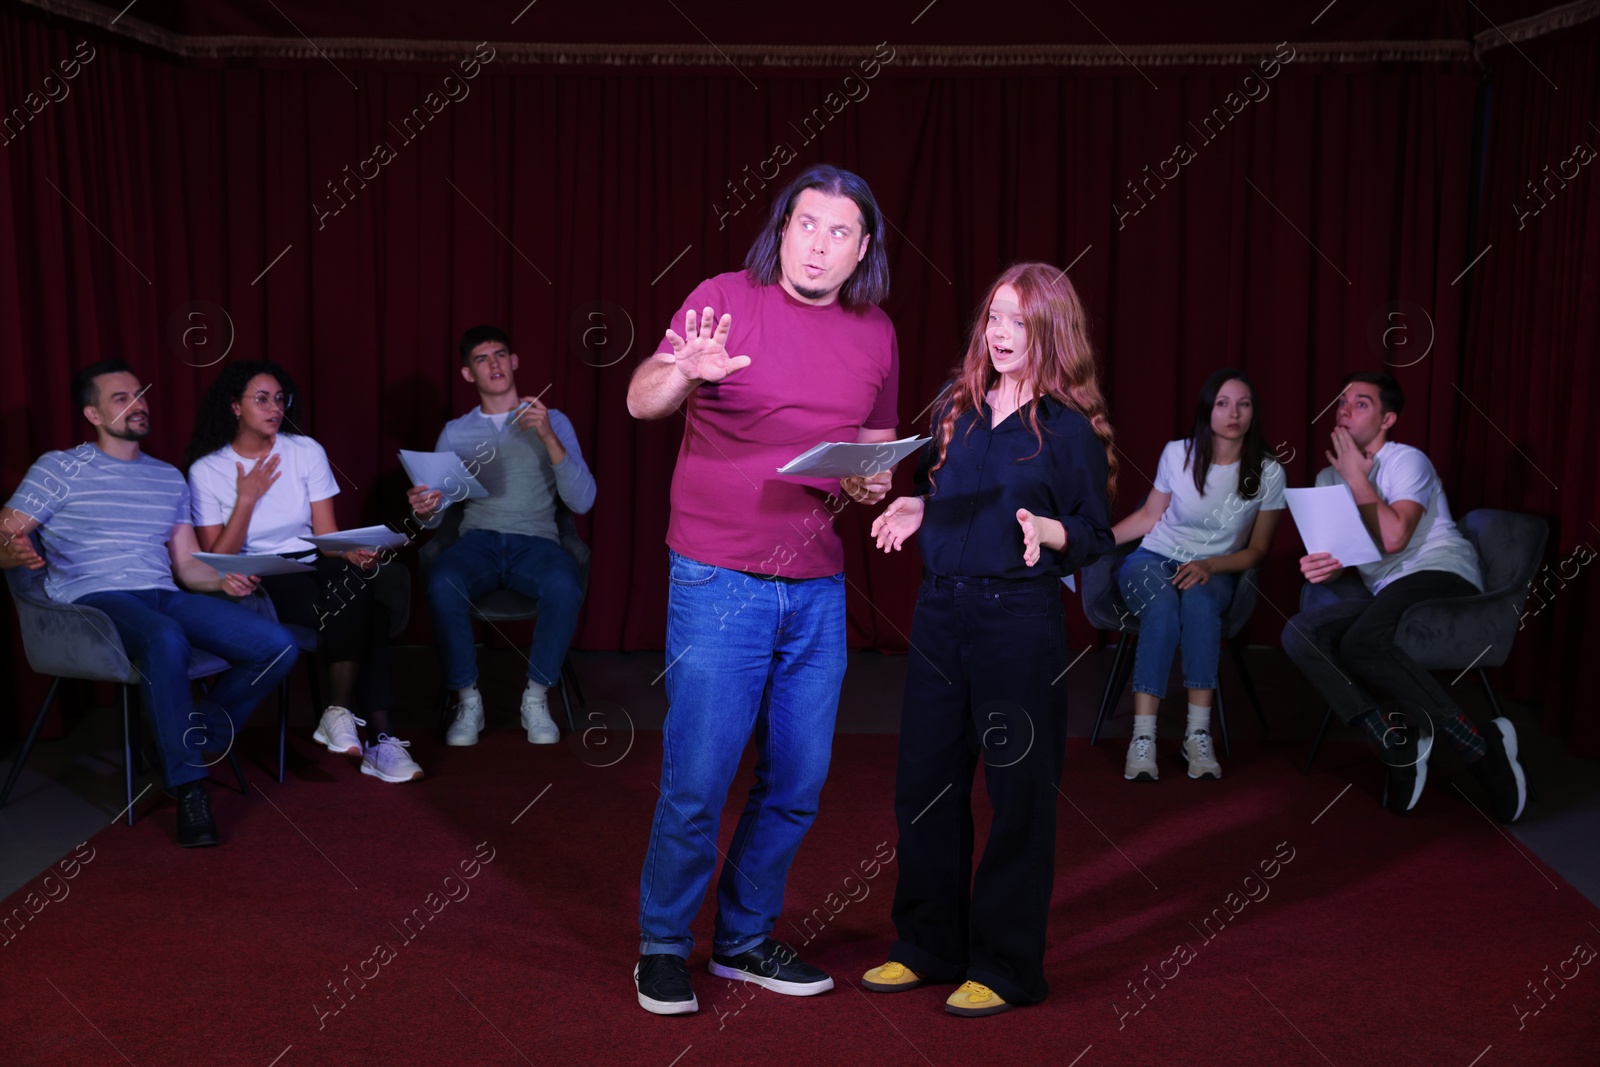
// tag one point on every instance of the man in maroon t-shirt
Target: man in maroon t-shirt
(755, 612)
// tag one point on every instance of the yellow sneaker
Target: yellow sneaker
(975, 998)
(891, 978)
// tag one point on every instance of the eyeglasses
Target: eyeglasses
(282, 401)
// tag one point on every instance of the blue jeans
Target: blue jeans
(746, 656)
(481, 561)
(1168, 617)
(158, 627)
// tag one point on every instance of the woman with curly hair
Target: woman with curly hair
(1011, 496)
(260, 487)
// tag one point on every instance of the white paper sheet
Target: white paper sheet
(845, 459)
(442, 471)
(264, 566)
(367, 538)
(1330, 522)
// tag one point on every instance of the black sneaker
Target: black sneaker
(663, 983)
(773, 965)
(1499, 772)
(196, 829)
(1406, 771)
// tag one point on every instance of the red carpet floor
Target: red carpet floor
(1377, 940)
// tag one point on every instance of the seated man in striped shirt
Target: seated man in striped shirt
(115, 526)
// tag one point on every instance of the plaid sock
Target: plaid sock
(1372, 725)
(1462, 735)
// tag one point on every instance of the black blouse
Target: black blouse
(970, 526)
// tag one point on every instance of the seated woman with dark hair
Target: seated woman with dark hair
(1210, 516)
(260, 487)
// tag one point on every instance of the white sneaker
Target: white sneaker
(1197, 753)
(388, 760)
(1141, 762)
(469, 721)
(542, 729)
(337, 731)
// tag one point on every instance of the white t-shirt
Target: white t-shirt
(1400, 472)
(1215, 523)
(282, 517)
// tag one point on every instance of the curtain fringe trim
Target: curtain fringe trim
(380, 50)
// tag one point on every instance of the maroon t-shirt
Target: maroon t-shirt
(816, 374)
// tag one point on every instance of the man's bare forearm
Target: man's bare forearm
(657, 390)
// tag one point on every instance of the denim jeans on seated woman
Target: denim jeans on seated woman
(1169, 617)
(746, 656)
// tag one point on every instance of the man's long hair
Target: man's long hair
(870, 282)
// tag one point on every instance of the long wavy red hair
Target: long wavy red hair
(1061, 361)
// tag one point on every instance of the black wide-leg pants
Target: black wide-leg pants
(983, 683)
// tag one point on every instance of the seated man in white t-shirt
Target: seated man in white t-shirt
(1181, 578)
(1347, 647)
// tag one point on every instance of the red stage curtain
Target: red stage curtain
(154, 185)
(1530, 378)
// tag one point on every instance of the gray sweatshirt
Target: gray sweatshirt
(515, 468)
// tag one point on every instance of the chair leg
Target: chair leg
(314, 684)
(1236, 650)
(444, 709)
(127, 747)
(1322, 732)
(1222, 721)
(1126, 677)
(27, 745)
(283, 724)
(570, 669)
(1107, 696)
(238, 773)
(1488, 690)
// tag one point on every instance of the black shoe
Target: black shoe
(196, 828)
(1499, 772)
(663, 983)
(773, 965)
(1406, 769)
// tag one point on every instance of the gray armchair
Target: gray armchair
(504, 605)
(1461, 633)
(80, 642)
(1106, 610)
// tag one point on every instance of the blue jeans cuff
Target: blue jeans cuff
(739, 946)
(657, 948)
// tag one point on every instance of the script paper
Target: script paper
(368, 538)
(442, 471)
(262, 566)
(1330, 522)
(847, 459)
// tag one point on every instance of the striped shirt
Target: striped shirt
(104, 522)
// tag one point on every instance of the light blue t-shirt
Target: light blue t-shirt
(104, 522)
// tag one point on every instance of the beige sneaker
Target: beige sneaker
(388, 761)
(337, 731)
(1198, 755)
(1141, 762)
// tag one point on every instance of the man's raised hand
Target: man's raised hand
(704, 357)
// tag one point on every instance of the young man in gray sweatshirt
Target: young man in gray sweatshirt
(527, 457)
